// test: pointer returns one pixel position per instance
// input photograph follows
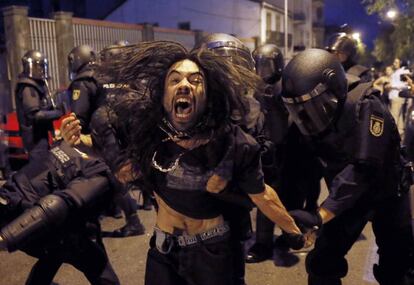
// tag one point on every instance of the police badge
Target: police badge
(376, 126)
(75, 94)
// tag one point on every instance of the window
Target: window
(268, 21)
(278, 23)
(184, 25)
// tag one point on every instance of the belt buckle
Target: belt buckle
(164, 242)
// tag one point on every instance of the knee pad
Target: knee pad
(326, 265)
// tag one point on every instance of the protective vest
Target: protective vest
(29, 130)
(62, 165)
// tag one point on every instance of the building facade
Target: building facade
(318, 23)
(261, 20)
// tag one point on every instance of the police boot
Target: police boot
(133, 227)
(259, 252)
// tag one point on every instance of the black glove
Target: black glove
(295, 241)
(307, 220)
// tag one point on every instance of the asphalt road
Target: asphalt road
(127, 256)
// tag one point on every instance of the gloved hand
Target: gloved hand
(295, 241)
(307, 220)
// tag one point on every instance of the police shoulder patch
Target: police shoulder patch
(75, 94)
(376, 126)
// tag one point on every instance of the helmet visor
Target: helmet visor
(312, 112)
(266, 69)
(236, 56)
(39, 69)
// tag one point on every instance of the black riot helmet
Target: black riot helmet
(342, 43)
(314, 89)
(35, 65)
(228, 46)
(269, 63)
(111, 50)
(80, 57)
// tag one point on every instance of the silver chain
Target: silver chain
(172, 166)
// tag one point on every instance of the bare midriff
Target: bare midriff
(171, 221)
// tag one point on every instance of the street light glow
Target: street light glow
(356, 36)
(392, 14)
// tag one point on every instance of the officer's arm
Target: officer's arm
(48, 211)
(84, 191)
(80, 103)
(31, 107)
(346, 188)
(269, 203)
(375, 134)
(52, 210)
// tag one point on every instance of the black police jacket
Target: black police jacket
(360, 155)
(35, 111)
(83, 183)
(56, 173)
(85, 97)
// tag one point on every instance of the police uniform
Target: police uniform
(48, 205)
(288, 166)
(35, 113)
(361, 165)
(85, 98)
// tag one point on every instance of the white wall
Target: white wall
(238, 17)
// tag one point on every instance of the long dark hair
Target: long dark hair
(144, 67)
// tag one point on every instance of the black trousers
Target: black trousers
(201, 264)
(87, 256)
(391, 223)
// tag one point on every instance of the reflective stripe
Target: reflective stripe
(318, 90)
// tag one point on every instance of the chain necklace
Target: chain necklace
(171, 167)
(174, 165)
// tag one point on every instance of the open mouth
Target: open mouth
(183, 108)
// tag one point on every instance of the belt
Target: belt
(165, 241)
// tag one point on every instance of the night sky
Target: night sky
(352, 12)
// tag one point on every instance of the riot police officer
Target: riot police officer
(356, 141)
(344, 47)
(84, 86)
(269, 65)
(35, 106)
(284, 155)
(104, 137)
(45, 209)
(238, 53)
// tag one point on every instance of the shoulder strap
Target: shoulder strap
(28, 81)
(87, 74)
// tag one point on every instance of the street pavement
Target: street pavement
(127, 256)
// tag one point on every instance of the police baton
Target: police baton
(52, 100)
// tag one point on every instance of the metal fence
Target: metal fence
(186, 38)
(100, 34)
(43, 38)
